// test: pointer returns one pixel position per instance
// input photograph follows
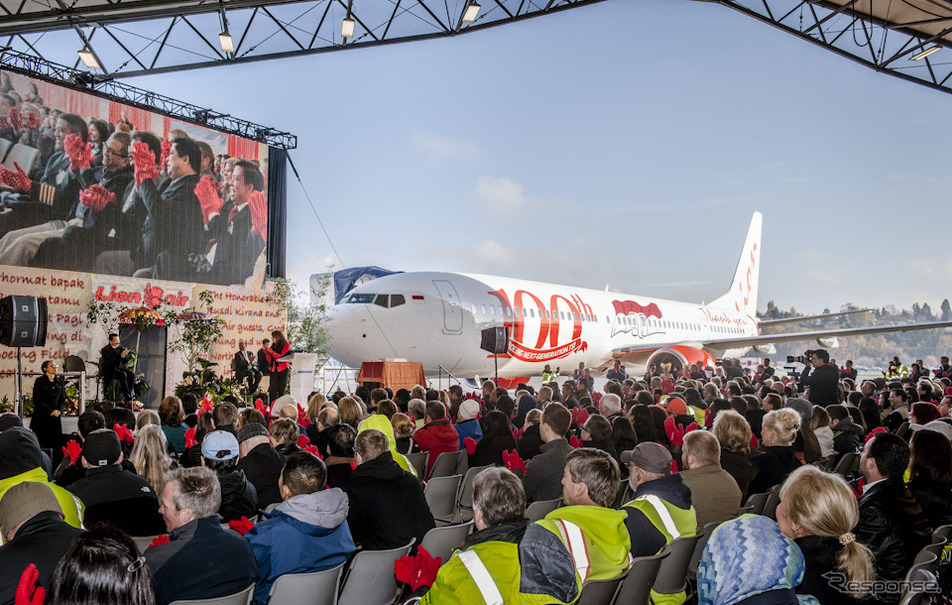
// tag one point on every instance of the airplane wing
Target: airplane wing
(801, 318)
(763, 339)
(637, 354)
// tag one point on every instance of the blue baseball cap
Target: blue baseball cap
(220, 445)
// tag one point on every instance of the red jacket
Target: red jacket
(437, 437)
(276, 353)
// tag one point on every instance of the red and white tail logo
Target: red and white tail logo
(743, 293)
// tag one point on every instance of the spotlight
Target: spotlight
(472, 9)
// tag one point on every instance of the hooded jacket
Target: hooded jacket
(606, 544)
(305, 533)
(238, 496)
(437, 437)
(387, 507)
(382, 424)
(526, 563)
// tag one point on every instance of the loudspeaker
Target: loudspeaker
(23, 321)
(495, 340)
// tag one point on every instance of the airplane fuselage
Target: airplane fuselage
(437, 319)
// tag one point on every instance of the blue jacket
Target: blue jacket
(305, 533)
(469, 428)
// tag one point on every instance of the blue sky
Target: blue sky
(623, 144)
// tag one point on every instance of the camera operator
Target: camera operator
(824, 381)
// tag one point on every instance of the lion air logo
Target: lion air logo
(541, 336)
(632, 317)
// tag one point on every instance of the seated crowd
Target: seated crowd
(113, 199)
(635, 467)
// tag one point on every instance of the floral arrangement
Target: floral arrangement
(142, 318)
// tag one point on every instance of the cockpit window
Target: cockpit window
(382, 300)
(359, 298)
(396, 300)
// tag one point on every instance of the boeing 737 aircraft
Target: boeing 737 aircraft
(437, 319)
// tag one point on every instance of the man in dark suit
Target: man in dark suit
(245, 366)
(238, 246)
(112, 366)
(173, 228)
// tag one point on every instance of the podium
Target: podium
(394, 375)
(302, 375)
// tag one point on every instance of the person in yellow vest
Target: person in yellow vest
(507, 559)
(593, 532)
(661, 511)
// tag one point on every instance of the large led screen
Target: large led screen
(90, 184)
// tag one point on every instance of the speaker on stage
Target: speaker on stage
(495, 340)
(23, 321)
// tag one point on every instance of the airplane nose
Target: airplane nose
(340, 328)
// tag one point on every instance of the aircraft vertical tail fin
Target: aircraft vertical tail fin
(742, 295)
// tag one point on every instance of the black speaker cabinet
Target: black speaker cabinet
(23, 321)
(495, 340)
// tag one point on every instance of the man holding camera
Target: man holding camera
(824, 382)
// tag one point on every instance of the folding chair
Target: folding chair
(600, 592)
(466, 492)
(370, 578)
(770, 507)
(756, 503)
(699, 548)
(442, 541)
(143, 542)
(445, 464)
(315, 588)
(672, 576)
(538, 510)
(847, 465)
(636, 587)
(440, 494)
(419, 460)
(239, 598)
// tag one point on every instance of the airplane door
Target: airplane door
(452, 314)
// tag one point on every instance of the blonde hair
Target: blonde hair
(823, 505)
(402, 425)
(732, 431)
(350, 411)
(314, 406)
(150, 456)
(147, 417)
(785, 422)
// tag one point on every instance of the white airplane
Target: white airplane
(438, 319)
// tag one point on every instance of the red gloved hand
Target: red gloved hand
(31, 121)
(512, 460)
(160, 539)
(143, 161)
(80, 153)
(242, 526)
(96, 197)
(674, 431)
(579, 416)
(258, 206)
(873, 432)
(164, 157)
(708, 421)
(470, 444)
(28, 593)
(303, 441)
(312, 449)
(419, 570)
(259, 405)
(190, 438)
(125, 435)
(574, 441)
(15, 179)
(206, 405)
(207, 194)
(73, 450)
(303, 419)
(16, 120)
(754, 444)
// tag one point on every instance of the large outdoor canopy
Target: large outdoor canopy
(123, 38)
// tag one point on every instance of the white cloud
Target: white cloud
(501, 196)
(440, 148)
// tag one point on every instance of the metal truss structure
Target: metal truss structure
(138, 37)
(910, 39)
(137, 97)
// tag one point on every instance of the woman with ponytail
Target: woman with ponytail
(818, 511)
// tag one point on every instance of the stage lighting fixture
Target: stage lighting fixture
(925, 53)
(347, 28)
(227, 45)
(88, 58)
(472, 9)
